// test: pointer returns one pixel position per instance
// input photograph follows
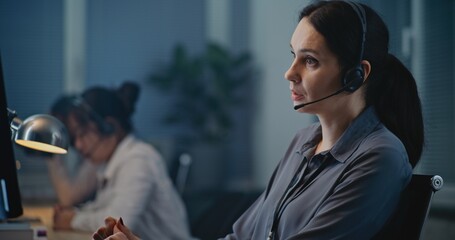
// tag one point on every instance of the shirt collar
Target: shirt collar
(350, 139)
(358, 130)
(118, 156)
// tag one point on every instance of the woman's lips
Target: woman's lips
(296, 97)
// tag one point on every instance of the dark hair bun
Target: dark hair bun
(128, 93)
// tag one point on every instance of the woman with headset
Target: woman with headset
(132, 181)
(340, 178)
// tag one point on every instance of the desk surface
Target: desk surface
(45, 213)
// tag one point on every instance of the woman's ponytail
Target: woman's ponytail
(396, 100)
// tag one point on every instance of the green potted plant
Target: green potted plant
(207, 88)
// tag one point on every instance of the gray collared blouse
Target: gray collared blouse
(350, 193)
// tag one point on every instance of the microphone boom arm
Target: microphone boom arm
(296, 107)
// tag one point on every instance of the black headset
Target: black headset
(354, 77)
(104, 127)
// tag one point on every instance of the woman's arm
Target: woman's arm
(72, 191)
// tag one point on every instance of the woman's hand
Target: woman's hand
(114, 230)
(63, 217)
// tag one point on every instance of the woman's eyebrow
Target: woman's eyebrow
(304, 50)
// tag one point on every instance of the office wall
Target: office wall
(31, 48)
(123, 41)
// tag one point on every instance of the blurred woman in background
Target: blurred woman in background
(132, 181)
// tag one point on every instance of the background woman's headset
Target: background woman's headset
(104, 127)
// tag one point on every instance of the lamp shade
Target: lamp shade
(44, 133)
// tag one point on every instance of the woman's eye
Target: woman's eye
(293, 54)
(310, 61)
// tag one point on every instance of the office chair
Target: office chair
(412, 211)
(182, 172)
(217, 219)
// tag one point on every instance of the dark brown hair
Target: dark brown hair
(115, 103)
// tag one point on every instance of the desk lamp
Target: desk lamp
(39, 132)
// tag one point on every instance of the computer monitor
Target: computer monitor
(10, 199)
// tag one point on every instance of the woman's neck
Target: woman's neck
(334, 126)
(112, 142)
(330, 134)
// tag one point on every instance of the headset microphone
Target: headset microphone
(296, 107)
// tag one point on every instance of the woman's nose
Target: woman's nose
(291, 74)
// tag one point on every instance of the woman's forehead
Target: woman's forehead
(306, 37)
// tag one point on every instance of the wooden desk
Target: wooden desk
(45, 213)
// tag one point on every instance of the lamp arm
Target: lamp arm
(14, 122)
(11, 115)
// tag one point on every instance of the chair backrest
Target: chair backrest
(412, 211)
(217, 219)
(181, 176)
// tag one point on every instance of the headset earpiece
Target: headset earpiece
(353, 79)
(104, 127)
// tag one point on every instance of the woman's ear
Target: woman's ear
(366, 69)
